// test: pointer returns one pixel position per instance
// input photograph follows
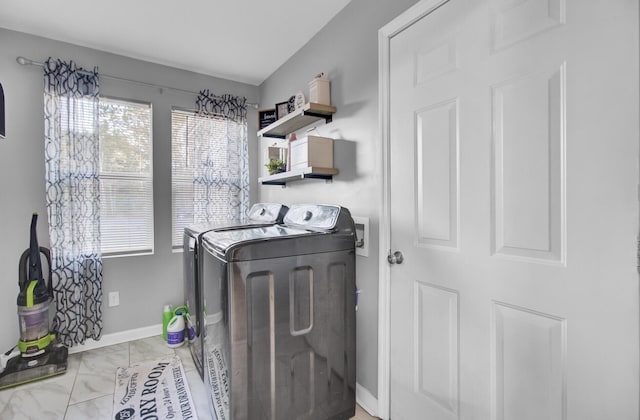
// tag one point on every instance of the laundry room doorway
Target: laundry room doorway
(509, 286)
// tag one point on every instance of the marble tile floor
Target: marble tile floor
(85, 391)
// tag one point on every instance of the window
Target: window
(209, 170)
(181, 175)
(126, 177)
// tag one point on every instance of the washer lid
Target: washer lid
(223, 240)
(259, 214)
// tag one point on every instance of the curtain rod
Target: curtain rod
(28, 62)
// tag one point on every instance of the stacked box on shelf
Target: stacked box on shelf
(312, 151)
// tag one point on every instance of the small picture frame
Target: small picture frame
(282, 109)
(266, 117)
(291, 104)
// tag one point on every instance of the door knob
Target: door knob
(395, 258)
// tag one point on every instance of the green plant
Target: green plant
(275, 166)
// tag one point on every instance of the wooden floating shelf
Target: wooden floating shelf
(299, 174)
(308, 114)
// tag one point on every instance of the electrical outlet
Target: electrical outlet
(114, 299)
(362, 235)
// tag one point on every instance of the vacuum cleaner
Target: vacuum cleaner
(38, 354)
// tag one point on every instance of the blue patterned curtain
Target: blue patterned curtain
(72, 167)
(221, 166)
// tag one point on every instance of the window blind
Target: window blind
(182, 151)
(126, 177)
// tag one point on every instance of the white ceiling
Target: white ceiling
(242, 40)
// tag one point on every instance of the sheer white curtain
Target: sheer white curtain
(72, 168)
(221, 164)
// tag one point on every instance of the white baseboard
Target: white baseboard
(117, 338)
(366, 400)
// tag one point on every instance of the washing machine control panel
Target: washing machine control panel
(315, 216)
(267, 212)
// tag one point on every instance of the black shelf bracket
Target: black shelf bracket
(326, 117)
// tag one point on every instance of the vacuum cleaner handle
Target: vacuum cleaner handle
(47, 255)
(24, 264)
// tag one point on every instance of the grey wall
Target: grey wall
(346, 50)
(145, 283)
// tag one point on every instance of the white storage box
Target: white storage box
(312, 151)
(319, 91)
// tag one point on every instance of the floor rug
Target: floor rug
(153, 390)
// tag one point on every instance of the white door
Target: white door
(513, 198)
